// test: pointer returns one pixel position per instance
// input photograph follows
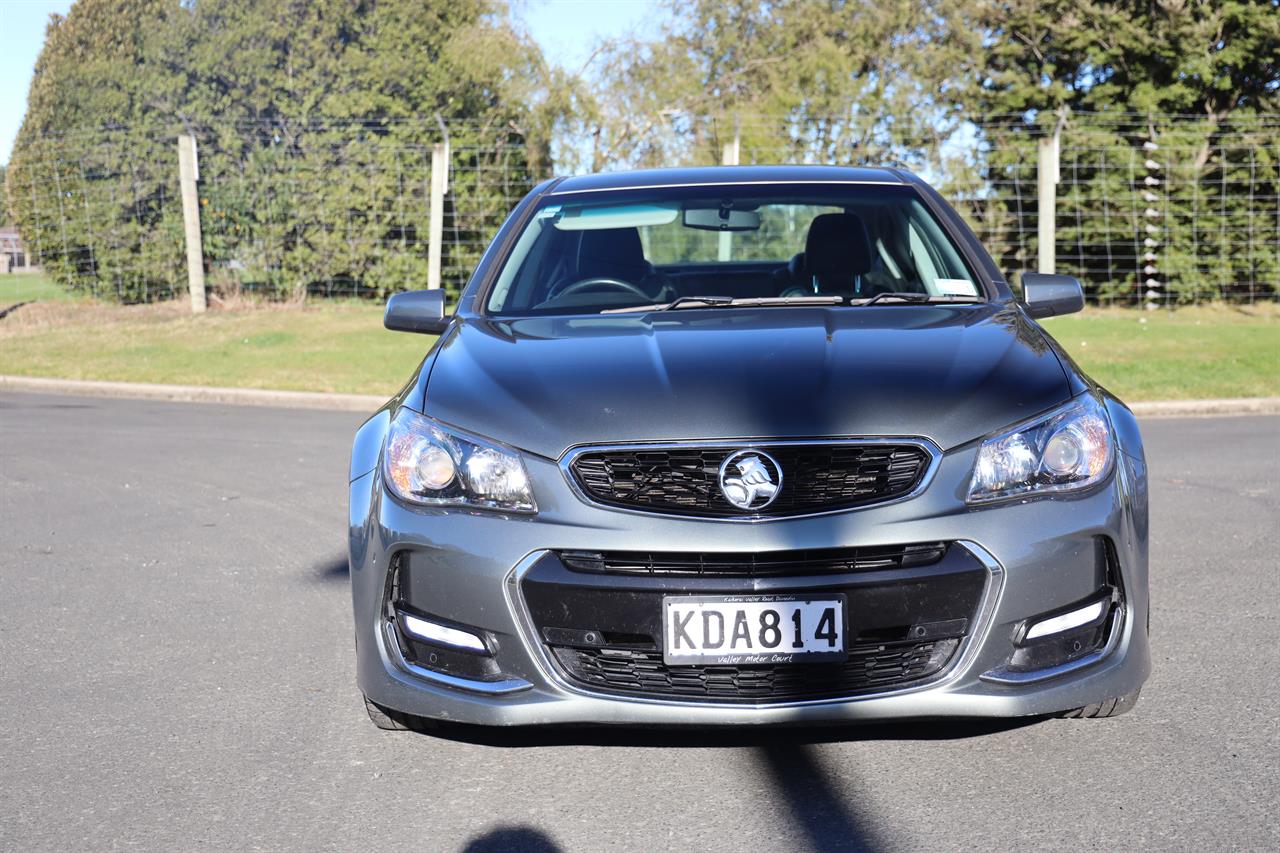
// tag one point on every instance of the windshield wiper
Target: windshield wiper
(684, 303)
(753, 301)
(697, 302)
(905, 297)
(914, 298)
(679, 303)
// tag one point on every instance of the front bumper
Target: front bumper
(1038, 556)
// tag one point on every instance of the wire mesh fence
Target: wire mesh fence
(287, 209)
(344, 210)
(1150, 209)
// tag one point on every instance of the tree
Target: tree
(835, 82)
(88, 127)
(1116, 72)
(322, 183)
(314, 121)
(1151, 56)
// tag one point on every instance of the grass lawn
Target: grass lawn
(340, 347)
(1188, 354)
(1212, 351)
(26, 287)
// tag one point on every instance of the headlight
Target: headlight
(428, 463)
(1065, 450)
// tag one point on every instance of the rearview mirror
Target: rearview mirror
(1048, 295)
(416, 311)
(723, 219)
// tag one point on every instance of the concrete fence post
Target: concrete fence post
(435, 227)
(188, 175)
(1047, 177)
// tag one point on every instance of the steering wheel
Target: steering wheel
(601, 281)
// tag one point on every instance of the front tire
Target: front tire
(1106, 708)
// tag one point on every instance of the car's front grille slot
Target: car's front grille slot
(870, 668)
(816, 477)
(763, 564)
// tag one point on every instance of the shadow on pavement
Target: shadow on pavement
(828, 819)
(701, 738)
(333, 570)
(821, 804)
(522, 838)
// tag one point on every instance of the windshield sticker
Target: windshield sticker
(956, 287)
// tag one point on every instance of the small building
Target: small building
(13, 252)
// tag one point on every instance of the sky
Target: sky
(567, 31)
(21, 35)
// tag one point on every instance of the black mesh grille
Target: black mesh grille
(764, 564)
(870, 668)
(816, 477)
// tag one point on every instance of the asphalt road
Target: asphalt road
(176, 672)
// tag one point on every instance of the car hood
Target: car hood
(950, 373)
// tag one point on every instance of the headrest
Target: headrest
(837, 245)
(612, 253)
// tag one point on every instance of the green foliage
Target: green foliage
(314, 121)
(79, 184)
(834, 82)
(1148, 56)
(1194, 78)
(961, 90)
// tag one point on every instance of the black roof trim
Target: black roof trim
(727, 175)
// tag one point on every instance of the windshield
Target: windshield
(845, 244)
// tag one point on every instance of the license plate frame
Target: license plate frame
(677, 638)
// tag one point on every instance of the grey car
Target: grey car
(745, 445)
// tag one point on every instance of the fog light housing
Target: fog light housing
(1065, 635)
(426, 643)
(434, 632)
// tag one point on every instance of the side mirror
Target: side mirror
(1051, 295)
(416, 311)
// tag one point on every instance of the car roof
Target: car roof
(713, 175)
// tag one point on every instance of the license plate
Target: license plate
(752, 629)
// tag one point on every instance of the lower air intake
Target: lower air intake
(870, 668)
